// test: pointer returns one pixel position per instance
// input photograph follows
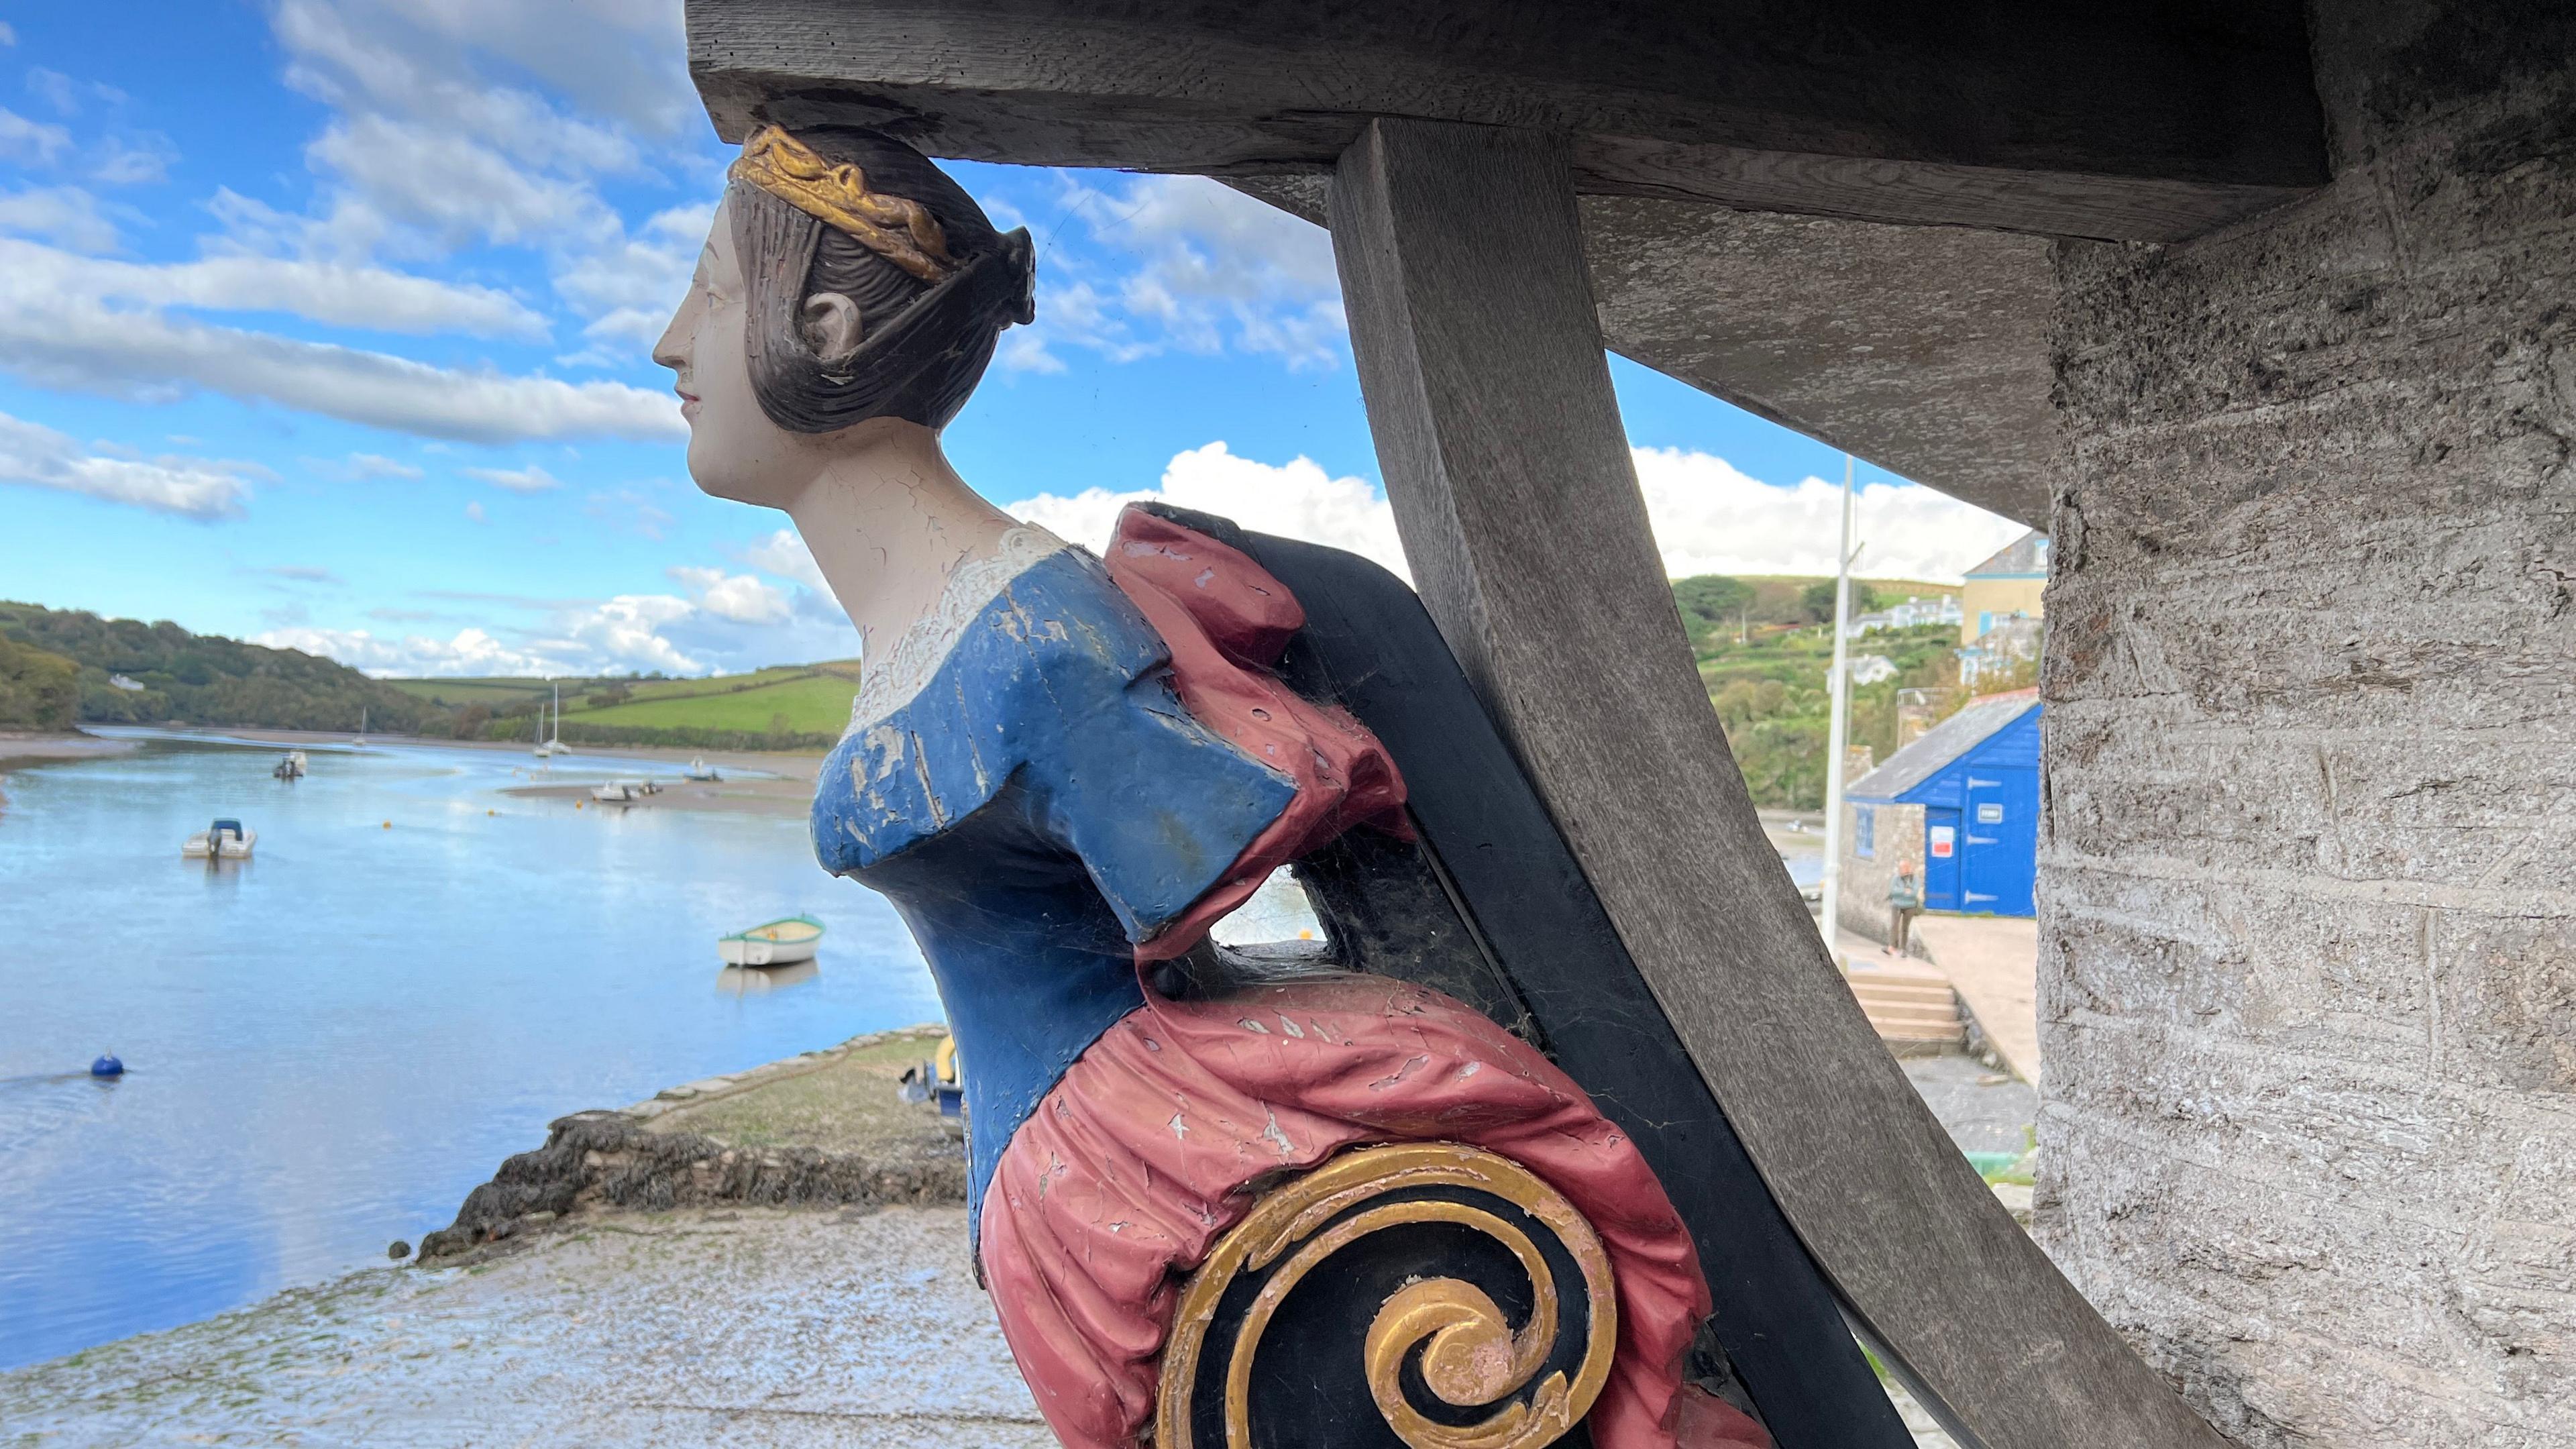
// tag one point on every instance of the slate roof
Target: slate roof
(2027, 554)
(1942, 743)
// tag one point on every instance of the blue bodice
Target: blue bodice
(1042, 803)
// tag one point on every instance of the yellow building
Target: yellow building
(2004, 587)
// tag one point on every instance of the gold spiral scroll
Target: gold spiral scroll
(1469, 1354)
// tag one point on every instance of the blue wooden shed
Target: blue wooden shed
(1976, 775)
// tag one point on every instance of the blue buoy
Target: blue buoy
(107, 1066)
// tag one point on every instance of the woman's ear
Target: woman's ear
(831, 326)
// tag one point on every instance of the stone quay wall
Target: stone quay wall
(2307, 978)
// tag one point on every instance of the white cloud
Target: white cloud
(1192, 266)
(133, 160)
(7, 35)
(1709, 518)
(64, 215)
(471, 651)
(784, 553)
(36, 456)
(348, 296)
(448, 188)
(79, 342)
(742, 598)
(620, 633)
(626, 631)
(631, 287)
(33, 142)
(362, 467)
(1297, 500)
(530, 479)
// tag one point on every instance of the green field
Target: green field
(813, 702)
(793, 699)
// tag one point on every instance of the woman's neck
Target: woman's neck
(888, 521)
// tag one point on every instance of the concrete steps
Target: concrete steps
(1908, 1003)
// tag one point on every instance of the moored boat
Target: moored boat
(290, 768)
(775, 943)
(223, 840)
(700, 770)
(623, 792)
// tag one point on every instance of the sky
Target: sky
(325, 323)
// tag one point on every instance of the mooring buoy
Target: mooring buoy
(107, 1066)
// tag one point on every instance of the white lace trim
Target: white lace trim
(887, 686)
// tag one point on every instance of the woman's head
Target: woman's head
(846, 279)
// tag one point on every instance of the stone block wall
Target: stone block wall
(1896, 840)
(2308, 866)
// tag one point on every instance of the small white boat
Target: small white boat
(360, 739)
(223, 840)
(552, 745)
(778, 943)
(701, 770)
(290, 768)
(623, 792)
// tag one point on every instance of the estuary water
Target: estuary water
(329, 1044)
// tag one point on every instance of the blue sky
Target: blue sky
(324, 322)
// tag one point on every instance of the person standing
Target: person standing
(1904, 901)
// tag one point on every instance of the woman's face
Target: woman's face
(735, 451)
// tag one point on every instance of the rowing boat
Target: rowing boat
(776, 943)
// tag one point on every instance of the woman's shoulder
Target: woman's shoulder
(1046, 649)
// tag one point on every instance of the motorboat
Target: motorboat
(700, 770)
(623, 792)
(223, 840)
(776, 943)
(290, 768)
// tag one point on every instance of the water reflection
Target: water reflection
(331, 1042)
(740, 981)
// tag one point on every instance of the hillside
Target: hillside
(202, 679)
(802, 706)
(1764, 648)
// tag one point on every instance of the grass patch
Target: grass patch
(811, 702)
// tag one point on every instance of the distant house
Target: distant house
(1871, 668)
(119, 681)
(2011, 641)
(2007, 586)
(1913, 613)
(1961, 805)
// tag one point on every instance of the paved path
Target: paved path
(779, 1328)
(1993, 963)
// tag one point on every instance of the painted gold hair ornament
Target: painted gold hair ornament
(896, 228)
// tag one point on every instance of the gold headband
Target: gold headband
(898, 229)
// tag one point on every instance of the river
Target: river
(330, 1043)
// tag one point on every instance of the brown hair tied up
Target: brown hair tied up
(923, 345)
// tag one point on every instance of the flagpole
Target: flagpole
(1838, 695)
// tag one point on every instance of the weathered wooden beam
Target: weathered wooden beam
(2146, 120)
(1921, 349)
(1481, 361)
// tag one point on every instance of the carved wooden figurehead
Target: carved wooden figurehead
(1430, 1296)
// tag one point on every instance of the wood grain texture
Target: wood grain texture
(1488, 394)
(1921, 349)
(2123, 120)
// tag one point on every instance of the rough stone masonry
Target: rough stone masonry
(2308, 914)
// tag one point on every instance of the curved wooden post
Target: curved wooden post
(1481, 360)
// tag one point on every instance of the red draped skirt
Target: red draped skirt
(1129, 1170)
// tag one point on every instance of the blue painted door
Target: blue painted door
(1998, 840)
(1940, 858)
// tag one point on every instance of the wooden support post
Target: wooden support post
(1489, 395)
